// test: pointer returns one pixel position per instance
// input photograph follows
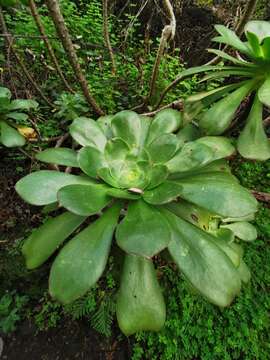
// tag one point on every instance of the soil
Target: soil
(71, 341)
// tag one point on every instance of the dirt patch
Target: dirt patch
(73, 340)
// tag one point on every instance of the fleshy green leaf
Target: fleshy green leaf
(204, 264)
(90, 160)
(140, 304)
(82, 261)
(219, 193)
(45, 240)
(255, 45)
(5, 93)
(9, 136)
(17, 116)
(229, 37)
(59, 156)
(163, 148)
(253, 142)
(244, 272)
(105, 123)
(165, 122)
(264, 92)
(116, 149)
(258, 27)
(189, 132)
(122, 194)
(41, 187)
(163, 194)
(218, 118)
(243, 230)
(157, 174)
(88, 133)
(21, 104)
(127, 126)
(84, 199)
(144, 230)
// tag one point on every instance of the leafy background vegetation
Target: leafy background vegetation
(194, 329)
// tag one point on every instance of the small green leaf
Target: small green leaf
(229, 37)
(90, 160)
(41, 187)
(82, 260)
(204, 264)
(17, 116)
(45, 240)
(140, 304)
(21, 104)
(116, 149)
(255, 45)
(243, 230)
(88, 133)
(9, 136)
(84, 199)
(105, 123)
(253, 142)
(264, 92)
(144, 230)
(218, 118)
(5, 93)
(157, 174)
(165, 122)
(188, 133)
(59, 156)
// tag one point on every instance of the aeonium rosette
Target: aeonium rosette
(158, 186)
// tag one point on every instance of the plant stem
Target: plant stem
(106, 34)
(65, 38)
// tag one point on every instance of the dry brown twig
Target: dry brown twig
(106, 34)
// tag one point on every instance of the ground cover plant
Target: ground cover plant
(149, 215)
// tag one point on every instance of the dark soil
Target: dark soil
(72, 341)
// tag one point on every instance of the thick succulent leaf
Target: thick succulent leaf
(90, 160)
(59, 156)
(45, 240)
(199, 153)
(204, 264)
(232, 250)
(83, 259)
(191, 213)
(165, 122)
(122, 194)
(258, 27)
(105, 123)
(266, 48)
(189, 132)
(84, 199)
(224, 55)
(218, 193)
(244, 272)
(163, 148)
(254, 44)
(5, 93)
(253, 142)
(249, 217)
(106, 175)
(229, 37)
(243, 230)
(127, 126)
(21, 104)
(144, 230)
(264, 92)
(140, 305)
(17, 116)
(41, 187)
(116, 149)
(88, 133)
(163, 194)
(9, 136)
(157, 174)
(145, 125)
(218, 118)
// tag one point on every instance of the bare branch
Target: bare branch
(177, 105)
(64, 35)
(20, 61)
(250, 8)
(37, 19)
(106, 34)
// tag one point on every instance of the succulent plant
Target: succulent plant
(157, 186)
(253, 72)
(12, 110)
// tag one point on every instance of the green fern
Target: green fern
(82, 307)
(102, 320)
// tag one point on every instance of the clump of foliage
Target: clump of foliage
(253, 69)
(11, 110)
(70, 106)
(11, 310)
(169, 188)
